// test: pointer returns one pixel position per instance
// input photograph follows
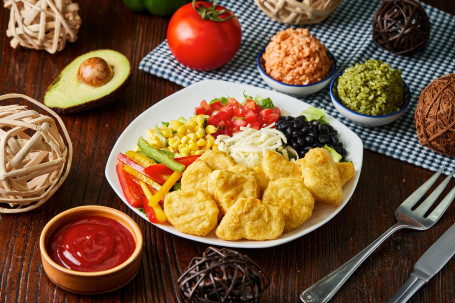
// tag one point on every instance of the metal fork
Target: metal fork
(324, 289)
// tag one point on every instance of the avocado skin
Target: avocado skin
(95, 103)
(116, 94)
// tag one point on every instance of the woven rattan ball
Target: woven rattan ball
(222, 276)
(34, 158)
(43, 24)
(401, 26)
(298, 12)
(435, 116)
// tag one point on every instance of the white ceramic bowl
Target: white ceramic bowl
(367, 120)
(296, 90)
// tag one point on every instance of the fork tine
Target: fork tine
(425, 206)
(415, 196)
(441, 208)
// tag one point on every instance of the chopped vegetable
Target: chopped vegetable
(142, 177)
(314, 113)
(131, 190)
(335, 155)
(159, 214)
(138, 171)
(162, 169)
(159, 156)
(139, 158)
(166, 187)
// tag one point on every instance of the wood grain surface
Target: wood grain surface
(383, 185)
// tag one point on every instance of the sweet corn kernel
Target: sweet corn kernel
(181, 154)
(200, 119)
(198, 129)
(175, 125)
(193, 146)
(201, 142)
(211, 129)
(181, 130)
(192, 152)
(209, 144)
(167, 132)
(149, 133)
(215, 147)
(190, 125)
(172, 150)
(185, 140)
(209, 137)
(200, 134)
(185, 150)
(193, 137)
(199, 152)
(174, 142)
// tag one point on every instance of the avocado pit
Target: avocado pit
(95, 72)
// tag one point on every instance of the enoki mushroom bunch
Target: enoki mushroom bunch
(34, 158)
(43, 24)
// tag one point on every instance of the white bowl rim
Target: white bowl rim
(334, 69)
(407, 92)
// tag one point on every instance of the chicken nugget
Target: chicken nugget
(321, 177)
(293, 198)
(191, 211)
(218, 159)
(196, 175)
(251, 219)
(276, 166)
(226, 187)
(346, 171)
(261, 178)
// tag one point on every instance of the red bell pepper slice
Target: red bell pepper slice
(164, 170)
(121, 157)
(131, 190)
(149, 212)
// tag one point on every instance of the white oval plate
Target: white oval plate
(183, 102)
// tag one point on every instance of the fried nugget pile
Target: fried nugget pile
(254, 203)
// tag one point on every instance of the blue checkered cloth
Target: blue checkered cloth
(347, 34)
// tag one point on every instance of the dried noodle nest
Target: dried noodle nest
(34, 158)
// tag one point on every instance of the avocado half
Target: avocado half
(67, 94)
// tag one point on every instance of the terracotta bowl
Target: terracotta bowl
(91, 283)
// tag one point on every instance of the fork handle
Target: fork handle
(324, 289)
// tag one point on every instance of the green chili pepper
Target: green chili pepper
(159, 156)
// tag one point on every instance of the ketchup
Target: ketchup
(91, 243)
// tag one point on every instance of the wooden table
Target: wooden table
(383, 184)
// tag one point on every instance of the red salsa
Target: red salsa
(91, 243)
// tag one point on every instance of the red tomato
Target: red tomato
(203, 44)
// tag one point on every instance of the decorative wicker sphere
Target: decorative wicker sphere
(43, 24)
(435, 116)
(222, 276)
(34, 158)
(298, 12)
(401, 26)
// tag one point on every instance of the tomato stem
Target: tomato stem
(210, 13)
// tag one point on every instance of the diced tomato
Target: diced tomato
(200, 110)
(255, 125)
(251, 105)
(206, 106)
(250, 117)
(216, 105)
(277, 110)
(234, 102)
(240, 111)
(239, 122)
(268, 116)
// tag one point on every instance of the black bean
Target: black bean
(324, 139)
(301, 141)
(306, 129)
(297, 124)
(297, 133)
(309, 139)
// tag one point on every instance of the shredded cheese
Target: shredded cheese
(248, 146)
